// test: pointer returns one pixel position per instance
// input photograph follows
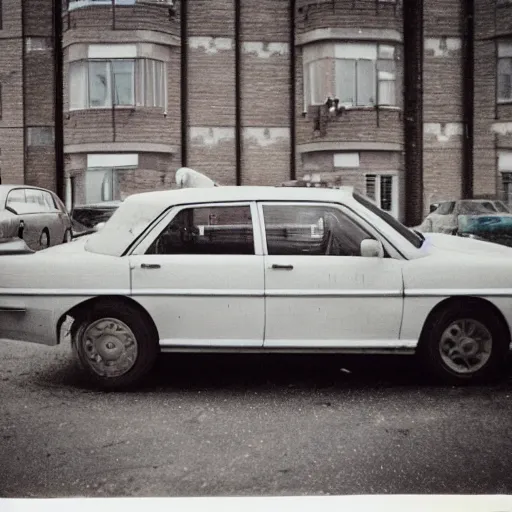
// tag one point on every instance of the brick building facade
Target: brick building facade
(419, 95)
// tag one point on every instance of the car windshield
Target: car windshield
(410, 235)
(476, 208)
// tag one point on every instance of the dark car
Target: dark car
(85, 218)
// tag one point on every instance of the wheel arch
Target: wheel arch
(78, 309)
(467, 301)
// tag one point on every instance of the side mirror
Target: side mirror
(99, 226)
(371, 249)
(11, 209)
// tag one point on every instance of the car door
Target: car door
(57, 224)
(319, 291)
(37, 218)
(199, 274)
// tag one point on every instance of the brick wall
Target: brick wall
(39, 88)
(265, 79)
(211, 100)
(11, 82)
(443, 86)
(40, 167)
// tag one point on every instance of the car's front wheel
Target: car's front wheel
(114, 345)
(465, 343)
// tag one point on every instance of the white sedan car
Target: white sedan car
(262, 269)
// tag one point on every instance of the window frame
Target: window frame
(161, 223)
(309, 75)
(504, 53)
(395, 190)
(141, 65)
(308, 204)
(389, 250)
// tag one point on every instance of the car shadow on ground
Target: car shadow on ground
(249, 372)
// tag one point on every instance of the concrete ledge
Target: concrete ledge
(311, 147)
(359, 34)
(120, 147)
(76, 36)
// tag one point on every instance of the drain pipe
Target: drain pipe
(184, 82)
(58, 84)
(238, 94)
(293, 93)
(468, 98)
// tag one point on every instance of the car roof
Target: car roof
(167, 198)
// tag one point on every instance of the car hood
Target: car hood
(458, 244)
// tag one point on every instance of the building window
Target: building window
(77, 4)
(504, 72)
(104, 175)
(40, 136)
(102, 83)
(358, 74)
(383, 190)
(506, 178)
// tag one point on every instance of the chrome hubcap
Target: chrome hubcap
(465, 346)
(110, 347)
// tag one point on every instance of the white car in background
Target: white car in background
(262, 269)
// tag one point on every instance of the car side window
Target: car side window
(207, 230)
(35, 200)
(16, 199)
(49, 202)
(311, 231)
(445, 208)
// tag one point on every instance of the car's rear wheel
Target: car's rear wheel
(465, 343)
(114, 345)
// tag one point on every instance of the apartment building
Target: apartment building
(30, 110)
(408, 100)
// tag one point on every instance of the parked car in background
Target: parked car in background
(35, 214)
(86, 217)
(262, 269)
(496, 228)
(444, 217)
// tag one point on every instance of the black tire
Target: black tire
(429, 350)
(144, 338)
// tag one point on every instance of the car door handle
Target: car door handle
(149, 265)
(275, 266)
